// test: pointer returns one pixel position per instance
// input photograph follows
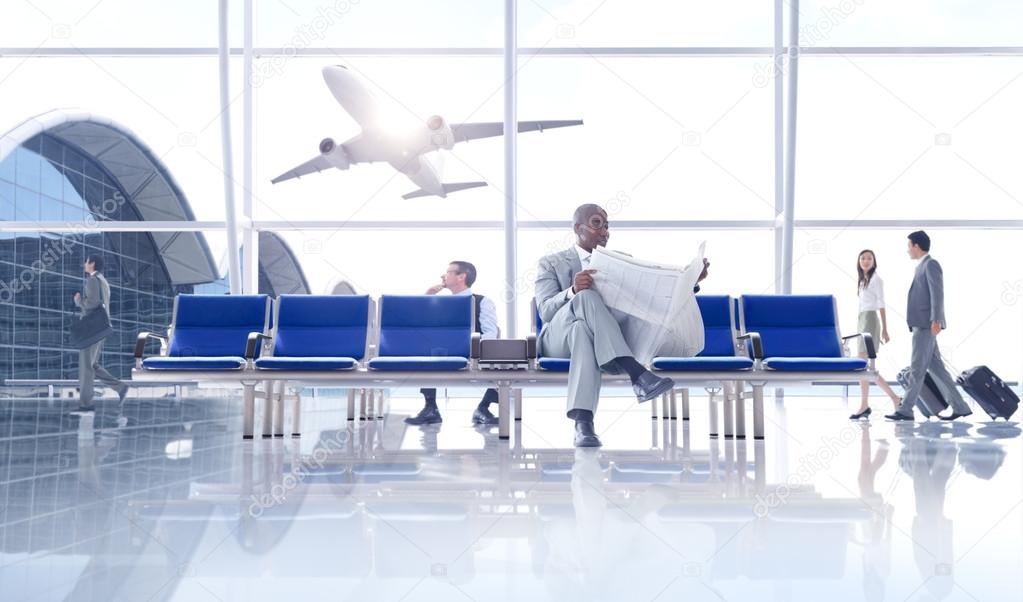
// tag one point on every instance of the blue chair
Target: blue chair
(425, 333)
(553, 364)
(311, 333)
(315, 332)
(720, 354)
(208, 333)
(798, 333)
(719, 337)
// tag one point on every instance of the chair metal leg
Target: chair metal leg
(278, 409)
(713, 407)
(758, 411)
(653, 409)
(685, 404)
(296, 414)
(351, 404)
(729, 426)
(740, 411)
(672, 398)
(665, 412)
(248, 409)
(362, 404)
(268, 413)
(503, 408)
(518, 404)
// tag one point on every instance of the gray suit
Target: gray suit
(926, 304)
(577, 326)
(96, 297)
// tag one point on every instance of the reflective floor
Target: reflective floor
(164, 501)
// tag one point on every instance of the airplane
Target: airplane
(403, 150)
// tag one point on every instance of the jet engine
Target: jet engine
(440, 133)
(334, 153)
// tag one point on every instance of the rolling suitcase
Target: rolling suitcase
(931, 401)
(990, 393)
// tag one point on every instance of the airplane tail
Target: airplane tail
(448, 188)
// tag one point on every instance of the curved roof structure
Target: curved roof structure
(146, 180)
(279, 267)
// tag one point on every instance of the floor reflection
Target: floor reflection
(163, 502)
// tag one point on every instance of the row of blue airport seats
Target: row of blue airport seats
(313, 333)
(429, 340)
(434, 333)
(784, 332)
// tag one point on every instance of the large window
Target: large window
(907, 116)
(910, 138)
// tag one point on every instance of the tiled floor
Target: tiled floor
(166, 502)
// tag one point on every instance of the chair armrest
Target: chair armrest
(252, 345)
(868, 343)
(474, 346)
(531, 346)
(758, 344)
(140, 345)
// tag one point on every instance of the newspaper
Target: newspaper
(653, 302)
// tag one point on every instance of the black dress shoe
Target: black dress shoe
(861, 415)
(650, 386)
(484, 417)
(427, 415)
(585, 435)
(953, 416)
(899, 416)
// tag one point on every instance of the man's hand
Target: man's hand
(935, 327)
(78, 297)
(583, 281)
(706, 266)
(433, 290)
(884, 336)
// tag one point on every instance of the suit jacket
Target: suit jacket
(926, 301)
(97, 293)
(555, 275)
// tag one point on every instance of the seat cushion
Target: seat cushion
(816, 364)
(194, 363)
(554, 364)
(305, 363)
(418, 362)
(700, 364)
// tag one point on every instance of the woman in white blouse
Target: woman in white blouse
(871, 293)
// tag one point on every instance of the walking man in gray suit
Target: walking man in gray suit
(96, 298)
(925, 315)
(578, 325)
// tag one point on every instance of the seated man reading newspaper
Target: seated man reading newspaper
(609, 312)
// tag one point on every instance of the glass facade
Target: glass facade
(48, 180)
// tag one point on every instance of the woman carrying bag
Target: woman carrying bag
(89, 332)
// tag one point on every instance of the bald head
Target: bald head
(590, 226)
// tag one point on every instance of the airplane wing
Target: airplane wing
(319, 163)
(464, 132)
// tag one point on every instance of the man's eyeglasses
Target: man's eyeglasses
(597, 223)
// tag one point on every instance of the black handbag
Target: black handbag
(91, 328)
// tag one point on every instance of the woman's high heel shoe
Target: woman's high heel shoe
(864, 414)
